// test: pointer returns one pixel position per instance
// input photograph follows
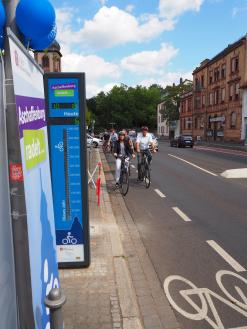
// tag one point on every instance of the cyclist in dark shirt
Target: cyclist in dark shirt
(121, 149)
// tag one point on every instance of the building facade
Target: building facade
(162, 126)
(219, 98)
(50, 59)
(186, 113)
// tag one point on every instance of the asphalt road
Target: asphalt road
(193, 223)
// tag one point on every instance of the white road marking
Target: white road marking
(132, 166)
(193, 165)
(207, 309)
(181, 214)
(228, 258)
(160, 193)
(235, 173)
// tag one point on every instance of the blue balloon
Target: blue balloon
(2, 15)
(45, 42)
(35, 18)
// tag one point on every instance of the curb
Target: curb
(127, 298)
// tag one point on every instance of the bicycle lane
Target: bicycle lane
(178, 247)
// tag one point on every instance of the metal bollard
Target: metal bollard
(54, 301)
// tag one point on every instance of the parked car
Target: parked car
(155, 141)
(182, 141)
(93, 141)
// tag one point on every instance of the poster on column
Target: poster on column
(30, 110)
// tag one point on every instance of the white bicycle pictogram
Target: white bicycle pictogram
(238, 304)
(59, 146)
(69, 239)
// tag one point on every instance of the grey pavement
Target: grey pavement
(120, 289)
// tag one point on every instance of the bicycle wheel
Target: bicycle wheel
(235, 290)
(141, 172)
(147, 177)
(124, 182)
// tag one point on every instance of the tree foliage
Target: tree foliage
(126, 107)
(171, 98)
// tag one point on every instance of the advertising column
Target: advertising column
(30, 111)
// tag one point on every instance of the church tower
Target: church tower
(50, 59)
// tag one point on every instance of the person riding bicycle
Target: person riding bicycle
(113, 139)
(127, 138)
(144, 139)
(121, 149)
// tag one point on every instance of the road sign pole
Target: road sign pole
(17, 196)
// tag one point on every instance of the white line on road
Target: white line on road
(132, 166)
(235, 173)
(160, 193)
(181, 214)
(193, 165)
(228, 258)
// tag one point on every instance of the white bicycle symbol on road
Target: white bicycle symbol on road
(69, 239)
(238, 304)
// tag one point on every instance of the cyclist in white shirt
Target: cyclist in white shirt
(144, 139)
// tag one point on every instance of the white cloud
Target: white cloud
(166, 79)
(103, 2)
(238, 10)
(110, 27)
(94, 89)
(96, 68)
(129, 8)
(150, 62)
(170, 9)
(98, 71)
(113, 26)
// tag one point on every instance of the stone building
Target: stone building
(50, 59)
(220, 84)
(186, 113)
(162, 126)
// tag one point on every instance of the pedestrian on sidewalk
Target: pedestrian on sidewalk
(113, 139)
(122, 148)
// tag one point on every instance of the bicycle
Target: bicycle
(144, 170)
(124, 175)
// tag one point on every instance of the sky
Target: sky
(144, 41)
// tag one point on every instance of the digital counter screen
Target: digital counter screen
(63, 106)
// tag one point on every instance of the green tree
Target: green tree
(127, 107)
(172, 98)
